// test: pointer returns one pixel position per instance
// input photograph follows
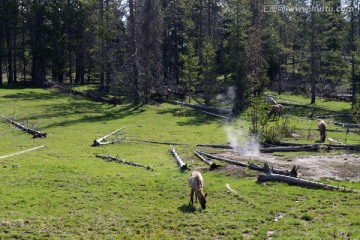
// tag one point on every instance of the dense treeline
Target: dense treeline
(146, 48)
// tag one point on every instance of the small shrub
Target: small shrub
(273, 134)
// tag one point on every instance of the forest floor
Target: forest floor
(340, 166)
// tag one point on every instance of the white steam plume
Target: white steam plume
(241, 142)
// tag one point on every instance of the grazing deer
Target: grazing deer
(196, 183)
(322, 129)
(276, 110)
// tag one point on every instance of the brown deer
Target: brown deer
(322, 129)
(276, 111)
(196, 183)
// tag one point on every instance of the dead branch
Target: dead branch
(210, 163)
(100, 141)
(270, 176)
(35, 133)
(230, 189)
(116, 159)
(28, 150)
(181, 164)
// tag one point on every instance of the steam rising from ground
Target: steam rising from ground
(241, 142)
(238, 138)
(228, 97)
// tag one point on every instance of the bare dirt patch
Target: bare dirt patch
(337, 167)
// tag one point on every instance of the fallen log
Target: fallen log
(224, 146)
(210, 163)
(329, 146)
(28, 150)
(270, 176)
(157, 142)
(347, 125)
(224, 159)
(293, 172)
(314, 147)
(181, 164)
(343, 146)
(35, 133)
(116, 159)
(333, 116)
(100, 141)
(253, 166)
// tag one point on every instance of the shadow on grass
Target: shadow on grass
(314, 112)
(194, 117)
(187, 208)
(32, 95)
(86, 110)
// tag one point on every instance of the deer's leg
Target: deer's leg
(191, 197)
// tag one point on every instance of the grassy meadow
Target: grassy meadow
(62, 191)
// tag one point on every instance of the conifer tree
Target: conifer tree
(190, 70)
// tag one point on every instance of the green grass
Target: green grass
(62, 191)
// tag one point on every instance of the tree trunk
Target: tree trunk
(10, 76)
(290, 149)
(1, 43)
(116, 159)
(101, 42)
(100, 141)
(36, 134)
(14, 58)
(134, 52)
(181, 164)
(270, 176)
(313, 58)
(210, 163)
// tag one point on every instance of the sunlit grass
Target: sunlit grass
(62, 191)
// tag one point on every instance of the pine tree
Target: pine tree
(190, 70)
(208, 70)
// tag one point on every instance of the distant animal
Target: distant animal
(322, 129)
(276, 111)
(196, 183)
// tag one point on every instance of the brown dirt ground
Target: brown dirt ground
(337, 167)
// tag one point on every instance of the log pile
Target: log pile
(179, 161)
(35, 133)
(117, 159)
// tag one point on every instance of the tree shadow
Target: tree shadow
(194, 117)
(89, 108)
(187, 208)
